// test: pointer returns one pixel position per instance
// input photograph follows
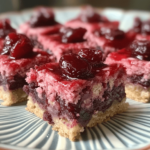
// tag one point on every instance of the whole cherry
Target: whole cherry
(17, 46)
(70, 35)
(93, 56)
(72, 65)
(110, 33)
(140, 49)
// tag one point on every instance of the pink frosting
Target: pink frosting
(29, 31)
(58, 48)
(71, 90)
(133, 66)
(142, 37)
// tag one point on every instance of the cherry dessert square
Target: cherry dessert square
(16, 58)
(65, 40)
(136, 60)
(110, 39)
(41, 22)
(79, 91)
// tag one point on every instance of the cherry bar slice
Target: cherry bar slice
(136, 60)
(17, 57)
(71, 104)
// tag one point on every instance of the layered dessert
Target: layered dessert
(5, 29)
(16, 58)
(91, 20)
(141, 29)
(136, 60)
(110, 39)
(79, 91)
(42, 22)
(66, 40)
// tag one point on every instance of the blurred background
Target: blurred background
(12, 5)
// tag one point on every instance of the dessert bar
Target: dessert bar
(42, 21)
(79, 91)
(136, 60)
(110, 39)
(16, 58)
(66, 40)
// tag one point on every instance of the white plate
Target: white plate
(20, 129)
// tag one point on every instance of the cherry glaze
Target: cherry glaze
(140, 50)
(110, 33)
(17, 46)
(70, 35)
(42, 17)
(93, 56)
(72, 65)
(5, 28)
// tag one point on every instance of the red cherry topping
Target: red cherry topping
(5, 28)
(70, 35)
(88, 14)
(72, 65)
(17, 46)
(110, 33)
(93, 56)
(137, 25)
(146, 27)
(141, 49)
(42, 17)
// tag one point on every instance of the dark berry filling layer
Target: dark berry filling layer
(12, 83)
(78, 112)
(137, 79)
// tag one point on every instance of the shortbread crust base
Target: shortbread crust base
(137, 93)
(12, 97)
(74, 132)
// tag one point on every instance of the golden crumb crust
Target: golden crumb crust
(74, 133)
(12, 97)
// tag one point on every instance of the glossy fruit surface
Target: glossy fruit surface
(17, 46)
(70, 35)
(140, 49)
(74, 66)
(110, 33)
(93, 56)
